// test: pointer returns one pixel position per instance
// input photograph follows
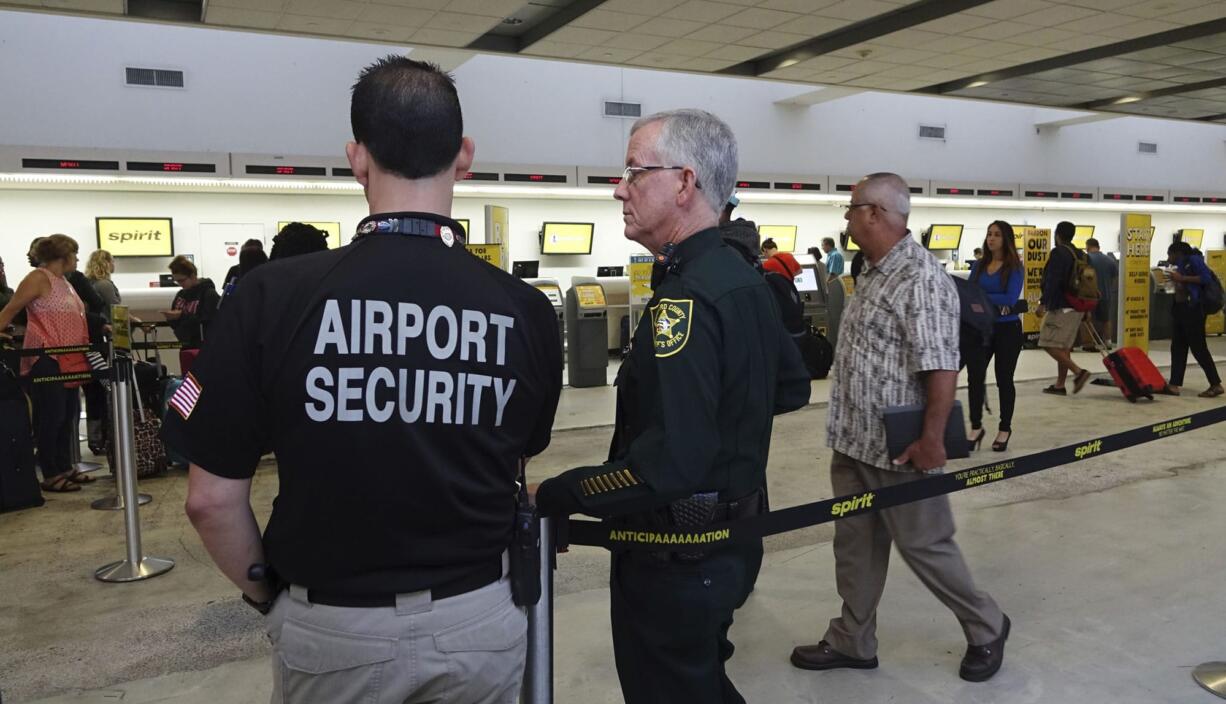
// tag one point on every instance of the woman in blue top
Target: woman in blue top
(999, 273)
(1190, 275)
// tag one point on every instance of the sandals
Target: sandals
(62, 484)
(1055, 390)
(1080, 380)
(81, 478)
(1212, 391)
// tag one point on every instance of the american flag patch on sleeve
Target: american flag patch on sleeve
(185, 398)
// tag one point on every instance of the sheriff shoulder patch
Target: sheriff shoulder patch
(671, 320)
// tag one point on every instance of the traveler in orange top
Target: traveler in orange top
(779, 262)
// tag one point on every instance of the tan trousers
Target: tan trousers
(467, 649)
(924, 534)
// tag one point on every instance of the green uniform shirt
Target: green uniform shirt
(710, 366)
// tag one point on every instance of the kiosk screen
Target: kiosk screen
(567, 238)
(806, 280)
(944, 237)
(783, 235)
(552, 292)
(1192, 237)
(1081, 234)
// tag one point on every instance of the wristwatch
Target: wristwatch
(262, 606)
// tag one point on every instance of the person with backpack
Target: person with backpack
(1197, 293)
(999, 273)
(1067, 281)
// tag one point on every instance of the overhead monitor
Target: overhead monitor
(526, 269)
(806, 280)
(1192, 237)
(136, 237)
(566, 238)
(1081, 234)
(467, 231)
(847, 244)
(944, 237)
(783, 235)
(610, 271)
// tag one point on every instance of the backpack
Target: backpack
(791, 308)
(1211, 294)
(976, 313)
(1082, 290)
(817, 353)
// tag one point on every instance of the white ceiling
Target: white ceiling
(709, 36)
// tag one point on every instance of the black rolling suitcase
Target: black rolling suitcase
(18, 482)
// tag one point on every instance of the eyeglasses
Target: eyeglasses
(849, 206)
(632, 172)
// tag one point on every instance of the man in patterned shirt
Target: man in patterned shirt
(898, 345)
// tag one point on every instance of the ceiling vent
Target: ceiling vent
(618, 109)
(932, 132)
(1147, 147)
(154, 77)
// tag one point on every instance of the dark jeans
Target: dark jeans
(670, 625)
(1006, 346)
(95, 409)
(56, 415)
(1188, 332)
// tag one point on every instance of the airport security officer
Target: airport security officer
(710, 365)
(399, 380)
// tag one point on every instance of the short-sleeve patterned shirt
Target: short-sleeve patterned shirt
(902, 320)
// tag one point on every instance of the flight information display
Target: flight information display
(567, 238)
(944, 237)
(1082, 234)
(783, 235)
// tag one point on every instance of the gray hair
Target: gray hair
(701, 141)
(889, 191)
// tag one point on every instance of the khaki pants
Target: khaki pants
(467, 649)
(924, 534)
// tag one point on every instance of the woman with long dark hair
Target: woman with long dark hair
(999, 273)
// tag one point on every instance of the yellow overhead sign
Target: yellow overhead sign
(136, 237)
(783, 235)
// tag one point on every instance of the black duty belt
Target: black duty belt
(461, 585)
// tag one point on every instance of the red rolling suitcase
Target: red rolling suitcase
(1131, 369)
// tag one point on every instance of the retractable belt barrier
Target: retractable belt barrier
(621, 537)
(97, 374)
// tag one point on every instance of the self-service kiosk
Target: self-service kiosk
(814, 293)
(553, 292)
(587, 354)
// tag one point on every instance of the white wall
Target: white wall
(25, 214)
(251, 92)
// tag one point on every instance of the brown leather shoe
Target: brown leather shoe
(823, 657)
(982, 661)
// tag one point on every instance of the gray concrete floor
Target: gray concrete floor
(1109, 569)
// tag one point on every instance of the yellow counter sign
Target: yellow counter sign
(1216, 323)
(1036, 246)
(121, 330)
(491, 253)
(590, 296)
(136, 237)
(1136, 234)
(331, 229)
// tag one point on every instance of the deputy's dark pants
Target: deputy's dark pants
(670, 625)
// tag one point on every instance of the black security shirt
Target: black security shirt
(398, 380)
(711, 364)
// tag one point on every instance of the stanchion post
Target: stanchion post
(1211, 676)
(115, 503)
(538, 667)
(135, 566)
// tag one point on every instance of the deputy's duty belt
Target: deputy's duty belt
(456, 587)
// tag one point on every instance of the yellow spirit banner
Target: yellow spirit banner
(1136, 235)
(1036, 246)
